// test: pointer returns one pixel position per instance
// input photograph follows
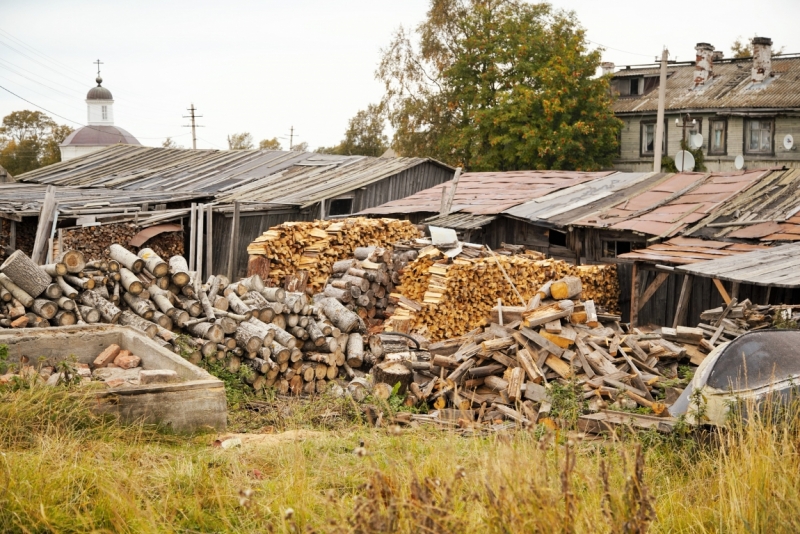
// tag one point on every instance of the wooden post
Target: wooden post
(44, 228)
(12, 236)
(201, 210)
(209, 241)
(734, 290)
(634, 294)
(722, 291)
(683, 302)
(452, 194)
(443, 205)
(322, 210)
(234, 240)
(192, 236)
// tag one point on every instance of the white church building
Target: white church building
(99, 131)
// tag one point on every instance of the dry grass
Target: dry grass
(63, 470)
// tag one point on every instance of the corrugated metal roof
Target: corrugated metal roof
(686, 250)
(577, 196)
(280, 177)
(673, 203)
(489, 193)
(776, 266)
(730, 88)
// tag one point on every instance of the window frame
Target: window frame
(642, 125)
(746, 137)
(104, 112)
(724, 150)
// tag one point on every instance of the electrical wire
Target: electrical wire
(619, 50)
(76, 122)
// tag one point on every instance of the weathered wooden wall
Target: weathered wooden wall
(400, 185)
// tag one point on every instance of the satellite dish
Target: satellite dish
(696, 140)
(684, 161)
(739, 162)
(788, 142)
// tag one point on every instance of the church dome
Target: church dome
(99, 92)
(96, 135)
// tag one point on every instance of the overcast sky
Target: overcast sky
(264, 66)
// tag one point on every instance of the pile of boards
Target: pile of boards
(269, 336)
(504, 370)
(726, 323)
(315, 246)
(442, 297)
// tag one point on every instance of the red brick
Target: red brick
(107, 356)
(126, 360)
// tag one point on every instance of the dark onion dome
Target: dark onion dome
(99, 136)
(99, 92)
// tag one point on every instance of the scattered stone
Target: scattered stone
(126, 360)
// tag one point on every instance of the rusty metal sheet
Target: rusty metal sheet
(756, 230)
(693, 241)
(781, 237)
(678, 182)
(141, 238)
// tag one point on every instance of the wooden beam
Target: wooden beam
(734, 290)
(192, 235)
(722, 291)
(634, 294)
(683, 302)
(198, 264)
(12, 235)
(43, 229)
(234, 242)
(652, 288)
(448, 208)
(209, 241)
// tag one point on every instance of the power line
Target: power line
(70, 120)
(619, 50)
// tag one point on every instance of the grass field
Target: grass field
(64, 470)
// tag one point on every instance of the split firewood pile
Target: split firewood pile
(314, 247)
(93, 241)
(114, 367)
(504, 371)
(269, 336)
(442, 297)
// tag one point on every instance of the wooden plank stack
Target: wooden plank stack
(315, 246)
(269, 336)
(442, 298)
(505, 372)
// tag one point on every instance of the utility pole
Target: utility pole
(662, 96)
(291, 137)
(192, 116)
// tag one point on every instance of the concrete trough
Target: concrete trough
(196, 402)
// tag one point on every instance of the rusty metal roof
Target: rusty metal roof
(775, 266)
(489, 193)
(768, 212)
(263, 176)
(673, 203)
(730, 88)
(686, 250)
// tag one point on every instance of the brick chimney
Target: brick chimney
(762, 58)
(704, 66)
(718, 55)
(608, 67)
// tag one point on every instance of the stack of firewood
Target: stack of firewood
(93, 241)
(315, 246)
(363, 283)
(270, 336)
(503, 371)
(442, 298)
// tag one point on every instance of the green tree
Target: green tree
(240, 141)
(498, 85)
(742, 48)
(364, 135)
(170, 143)
(270, 144)
(300, 147)
(29, 140)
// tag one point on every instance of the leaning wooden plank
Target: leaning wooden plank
(542, 342)
(608, 420)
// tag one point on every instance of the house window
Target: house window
(340, 206)
(648, 139)
(718, 137)
(758, 137)
(634, 87)
(104, 110)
